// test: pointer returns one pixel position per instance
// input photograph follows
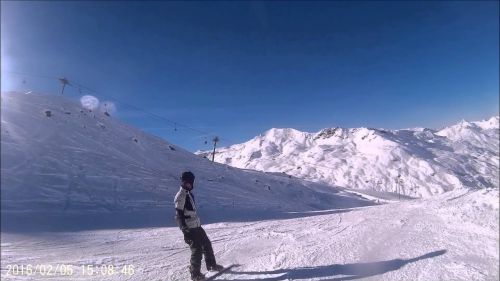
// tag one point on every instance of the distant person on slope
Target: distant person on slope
(194, 234)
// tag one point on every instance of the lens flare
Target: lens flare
(89, 102)
(108, 107)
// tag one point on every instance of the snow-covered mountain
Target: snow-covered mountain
(416, 162)
(60, 157)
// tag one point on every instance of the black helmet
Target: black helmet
(187, 177)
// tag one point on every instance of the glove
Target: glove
(181, 221)
(185, 230)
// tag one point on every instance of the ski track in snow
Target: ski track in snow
(416, 240)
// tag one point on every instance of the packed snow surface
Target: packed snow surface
(452, 237)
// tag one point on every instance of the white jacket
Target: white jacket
(184, 201)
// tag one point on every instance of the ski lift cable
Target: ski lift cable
(30, 75)
(175, 124)
(80, 87)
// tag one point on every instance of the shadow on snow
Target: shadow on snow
(47, 222)
(337, 271)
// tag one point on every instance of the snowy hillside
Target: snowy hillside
(74, 161)
(415, 162)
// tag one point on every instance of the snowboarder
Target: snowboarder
(194, 234)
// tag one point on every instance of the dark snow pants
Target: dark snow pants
(200, 245)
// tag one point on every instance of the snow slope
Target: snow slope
(78, 162)
(453, 236)
(415, 162)
(86, 165)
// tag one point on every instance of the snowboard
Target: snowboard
(226, 269)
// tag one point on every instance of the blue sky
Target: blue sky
(236, 69)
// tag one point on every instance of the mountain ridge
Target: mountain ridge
(418, 162)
